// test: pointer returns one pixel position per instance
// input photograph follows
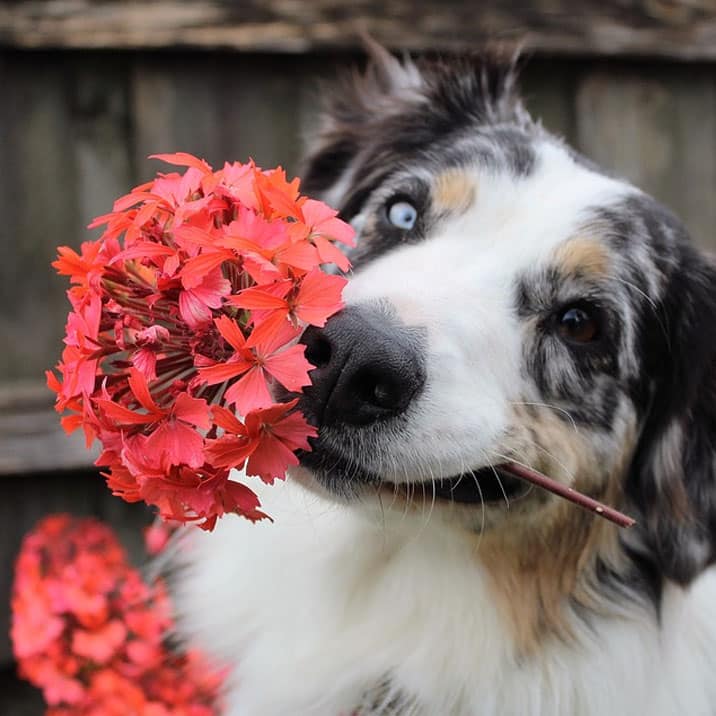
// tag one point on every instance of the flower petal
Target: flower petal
(140, 389)
(191, 410)
(193, 310)
(213, 374)
(231, 332)
(270, 459)
(319, 297)
(183, 159)
(178, 443)
(249, 392)
(289, 367)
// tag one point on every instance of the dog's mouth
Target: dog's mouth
(344, 478)
(487, 484)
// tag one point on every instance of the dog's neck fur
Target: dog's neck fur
(330, 613)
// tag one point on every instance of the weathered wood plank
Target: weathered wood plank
(264, 110)
(63, 151)
(174, 108)
(38, 206)
(100, 127)
(220, 107)
(31, 438)
(657, 128)
(548, 92)
(690, 187)
(686, 30)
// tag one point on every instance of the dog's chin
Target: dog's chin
(347, 481)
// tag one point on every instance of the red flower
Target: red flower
(268, 438)
(195, 303)
(173, 437)
(194, 298)
(157, 535)
(117, 664)
(84, 269)
(254, 359)
(99, 645)
(316, 299)
(279, 433)
(324, 226)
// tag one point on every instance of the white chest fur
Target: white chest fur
(321, 606)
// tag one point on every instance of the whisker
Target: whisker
(501, 485)
(551, 407)
(483, 509)
(569, 473)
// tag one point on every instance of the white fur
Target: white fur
(315, 609)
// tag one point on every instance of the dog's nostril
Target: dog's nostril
(383, 396)
(318, 350)
(372, 387)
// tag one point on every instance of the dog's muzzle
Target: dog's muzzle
(368, 369)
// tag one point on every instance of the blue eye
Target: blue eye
(402, 214)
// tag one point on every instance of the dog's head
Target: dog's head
(510, 301)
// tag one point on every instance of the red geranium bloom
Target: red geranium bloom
(194, 298)
(317, 297)
(254, 359)
(173, 436)
(117, 662)
(268, 438)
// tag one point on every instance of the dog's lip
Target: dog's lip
(486, 484)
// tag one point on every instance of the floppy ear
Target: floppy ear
(673, 481)
(351, 111)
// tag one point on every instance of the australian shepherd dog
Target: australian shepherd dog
(509, 301)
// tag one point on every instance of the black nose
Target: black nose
(368, 368)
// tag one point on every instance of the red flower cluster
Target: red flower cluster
(189, 320)
(90, 632)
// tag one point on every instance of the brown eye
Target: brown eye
(578, 324)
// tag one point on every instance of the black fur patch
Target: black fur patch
(673, 479)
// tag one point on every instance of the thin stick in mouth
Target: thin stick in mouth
(568, 493)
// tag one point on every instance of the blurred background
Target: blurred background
(89, 89)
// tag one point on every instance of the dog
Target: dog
(510, 301)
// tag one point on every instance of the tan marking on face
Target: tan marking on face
(454, 191)
(550, 442)
(583, 255)
(542, 563)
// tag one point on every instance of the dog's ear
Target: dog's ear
(673, 480)
(352, 109)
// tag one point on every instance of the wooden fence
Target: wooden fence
(89, 89)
